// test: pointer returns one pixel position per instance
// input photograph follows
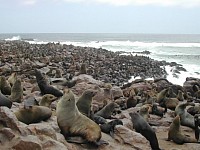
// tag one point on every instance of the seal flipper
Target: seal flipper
(76, 139)
(101, 142)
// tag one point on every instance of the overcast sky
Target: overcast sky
(100, 16)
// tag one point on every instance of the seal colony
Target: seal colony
(97, 107)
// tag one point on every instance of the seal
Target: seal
(144, 112)
(131, 101)
(142, 127)
(180, 96)
(4, 101)
(175, 134)
(73, 123)
(197, 124)
(12, 78)
(157, 111)
(5, 86)
(84, 102)
(107, 110)
(171, 103)
(45, 88)
(47, 99)
(17, 92)
(33, 114)
(161, 95)
(185, 118)
(110, 126)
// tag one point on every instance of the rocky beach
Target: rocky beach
(82, 68)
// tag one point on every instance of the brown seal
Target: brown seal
(5, 86)
(107, 110)
(73, 123)
(33, 114)
(12, 78)
(4, 101)
(175, 134)
(144, 112)
(84, 102)
(171, 103)
(142, 127)
(180, 96)
(47, 99)
(185, 118)
(17, 92)
(45, 88)
(194, 109)
(162, 95)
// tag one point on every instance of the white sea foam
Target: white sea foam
(14, 38)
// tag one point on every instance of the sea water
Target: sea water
(180, 48)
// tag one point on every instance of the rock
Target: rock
(6, 134)
(42, 129)
(8, 118)
(117, 92)
(28, 142)
(127, 136)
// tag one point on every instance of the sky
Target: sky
(100, 16)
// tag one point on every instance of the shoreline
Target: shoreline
(102, 64)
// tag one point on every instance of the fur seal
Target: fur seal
(185, 118)
(17, 92)
(161, 95)
(73, 123)
(84, 102)
(33, 114)
(180, 96)
(110, 126)
(12, 78)
(131, 101)
(197, 125)
(144, 112)
(157, 111)
(47, 99)
(5, 86)
(45, 88)
(175, 134)
(142, 127)
(4, 101)
(171, 103)
(107, 110)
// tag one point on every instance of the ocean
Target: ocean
(183, 49)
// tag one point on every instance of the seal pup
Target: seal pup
(5, 86)
(144, 112)
(45, 88)
(186, 118)
(142, 127)
(73, 123)
(84, 102)
(107, 110)
(175, 134)
(4, 101)
(110, 126)
(33, 114)
(47, 99)
(17, 92)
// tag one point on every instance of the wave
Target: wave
(14, 38)
(133, 44)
